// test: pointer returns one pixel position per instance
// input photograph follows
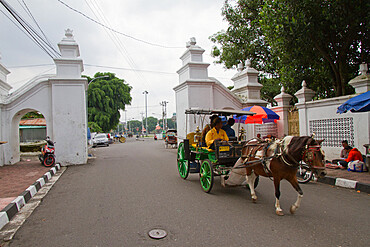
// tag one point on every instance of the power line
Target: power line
(117, 42)
(113, 30)
(34, 20)
(98, 66)
(29, 30)
(140, 70)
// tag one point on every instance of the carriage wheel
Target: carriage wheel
(182, 163)
(206, 175)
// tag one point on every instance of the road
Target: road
(133, 187)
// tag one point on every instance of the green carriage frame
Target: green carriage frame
(193, 158)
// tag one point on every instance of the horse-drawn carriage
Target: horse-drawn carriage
(171, 138)
(277, 159)
(194, 157)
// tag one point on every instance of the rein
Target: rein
(280, 152)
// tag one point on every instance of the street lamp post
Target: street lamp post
(146, 112)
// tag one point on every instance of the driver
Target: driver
(216, 133)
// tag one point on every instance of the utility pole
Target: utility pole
(142, 121)
(164, 113)
(146, 112)
(125, 123)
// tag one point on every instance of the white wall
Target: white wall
(326, 110)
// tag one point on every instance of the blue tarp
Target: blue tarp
(360, 103)
(88, 133)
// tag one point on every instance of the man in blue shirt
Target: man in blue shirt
(227, 128)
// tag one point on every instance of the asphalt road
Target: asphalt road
(134, 187)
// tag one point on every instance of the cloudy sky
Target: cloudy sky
(169, 23)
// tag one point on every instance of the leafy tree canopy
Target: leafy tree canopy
(322, 42)
(106, 96)
(33, 114)
(94, 127)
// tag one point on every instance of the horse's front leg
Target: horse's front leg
(278, 209)
(296, 186)
(250, 180)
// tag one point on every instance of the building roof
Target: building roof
(33, 122)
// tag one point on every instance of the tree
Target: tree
(324, 38)
(152, 123)
(135, 126)
(94, 127)
(106, 96)
(171, 124)
(33, 114)
(319, 41)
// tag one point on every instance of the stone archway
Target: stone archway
(14, 142)
(61, 100)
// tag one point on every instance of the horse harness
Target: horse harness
(308, 155)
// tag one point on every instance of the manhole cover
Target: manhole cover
(157, 233)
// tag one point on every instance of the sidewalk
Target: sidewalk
(359, 181)
(14, 179)
(19, 183)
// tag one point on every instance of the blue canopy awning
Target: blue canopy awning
(360, 103)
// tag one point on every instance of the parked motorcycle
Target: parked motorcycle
(47, 156)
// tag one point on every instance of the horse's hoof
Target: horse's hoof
(254, 200)
(280, 213)
(293, 209)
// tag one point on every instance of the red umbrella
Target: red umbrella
(263, 115)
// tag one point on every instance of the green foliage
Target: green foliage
(171, 124)
(94, 127)
(134, 125)
(152, 123)
(33, 114)
(322, 42)
(106, 96)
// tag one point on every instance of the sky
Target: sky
(169, 23)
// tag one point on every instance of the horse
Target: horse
(280, 159)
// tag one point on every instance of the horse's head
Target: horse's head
(314, 156)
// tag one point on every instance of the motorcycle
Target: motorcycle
(47, 156)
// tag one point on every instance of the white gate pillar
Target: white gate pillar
(304, 95)
(4, 92)
(282, 110)
(69, 105)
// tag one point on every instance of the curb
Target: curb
(7, 213)
(345, 183)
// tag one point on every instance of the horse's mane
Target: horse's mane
(298, 142)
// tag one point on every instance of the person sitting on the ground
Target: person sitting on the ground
(345, 150)
(353, 155)
(216, 133)
(227, 128)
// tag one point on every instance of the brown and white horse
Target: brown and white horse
(286, 153)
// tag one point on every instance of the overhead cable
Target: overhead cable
(29, 30)
(116, 40)
(34, 20)
(113, 30)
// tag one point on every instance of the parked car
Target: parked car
(100, 139)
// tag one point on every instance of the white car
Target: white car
(100, 139)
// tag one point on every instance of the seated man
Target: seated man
(227, 128)
(353, 155)
(345, 150)
(216, 133)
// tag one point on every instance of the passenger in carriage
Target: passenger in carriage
(227, 128)
(216, 133)
(207, 128)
